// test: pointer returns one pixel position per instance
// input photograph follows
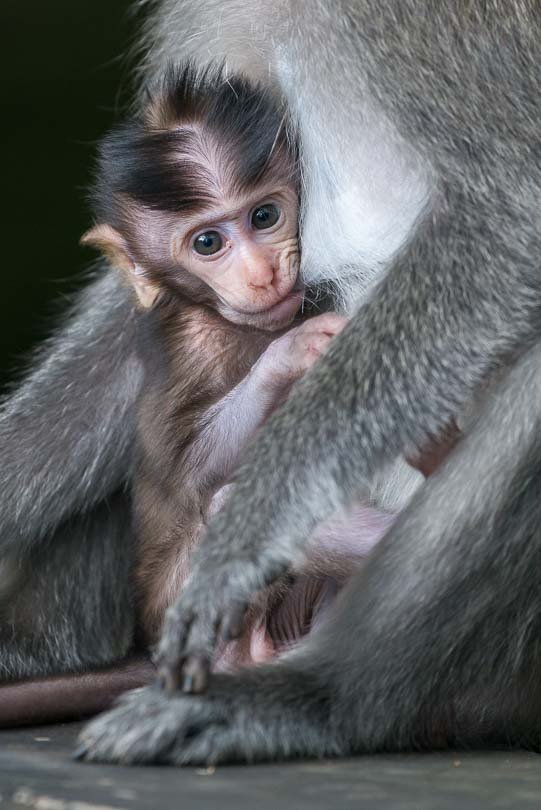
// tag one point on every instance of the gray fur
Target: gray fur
(65, 445)
(431, 110)
(71, 605)
(65, 433)
(436, 642)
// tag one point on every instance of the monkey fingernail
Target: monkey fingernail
(233, 625)
(168, 679)
(195, 675)
(188, 683)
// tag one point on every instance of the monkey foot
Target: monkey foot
(242, 718)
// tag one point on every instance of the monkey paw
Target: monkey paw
(147, 726)
(211, 607)
(232, 723)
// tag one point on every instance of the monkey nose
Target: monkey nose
(260, 274)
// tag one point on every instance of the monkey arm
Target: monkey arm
(66, 433)
(360, 407)
(227, 427)
(68, 697)
(447, 593)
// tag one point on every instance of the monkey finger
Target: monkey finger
(175, 633)
(232, 625)
(170, 656)
(170, 670)
(316, 344)
(168, 679)
(186, 657)
(189, 675)
(196, 674)
(330, 323)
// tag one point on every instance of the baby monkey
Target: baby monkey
(197, 205)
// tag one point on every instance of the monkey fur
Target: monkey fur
(418, 126)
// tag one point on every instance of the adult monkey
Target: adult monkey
(448, 101)
(437, 641)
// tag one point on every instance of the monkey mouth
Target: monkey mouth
(272, 318)
(286, 308)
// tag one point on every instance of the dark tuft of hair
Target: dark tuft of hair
(152, 159)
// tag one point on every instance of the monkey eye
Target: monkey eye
(265, 216)
(208, 243)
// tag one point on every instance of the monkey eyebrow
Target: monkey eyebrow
(216, 216)
(213, 218)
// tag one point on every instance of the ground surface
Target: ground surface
(36, 771)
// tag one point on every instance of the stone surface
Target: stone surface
(36, 771)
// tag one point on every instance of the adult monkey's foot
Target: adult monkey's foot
(267, 713)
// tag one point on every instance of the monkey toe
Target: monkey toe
(136, 730)
(149, 727)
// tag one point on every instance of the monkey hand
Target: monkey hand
(210, 609)
(291, 355)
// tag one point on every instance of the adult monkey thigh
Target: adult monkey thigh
(437, 640)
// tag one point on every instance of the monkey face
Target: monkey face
(246, 252)
(239, 255)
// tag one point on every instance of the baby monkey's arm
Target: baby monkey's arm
(231, 423)
(172, 514)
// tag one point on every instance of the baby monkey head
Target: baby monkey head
(199, 196)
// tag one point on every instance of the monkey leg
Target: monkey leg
(67, 607)
(147, 726)
(427, 646)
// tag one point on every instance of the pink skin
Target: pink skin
(232, 422)
(255, 271)
(338, 547)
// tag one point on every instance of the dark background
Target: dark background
(65, 78)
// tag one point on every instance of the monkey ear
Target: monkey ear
(114, 247)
